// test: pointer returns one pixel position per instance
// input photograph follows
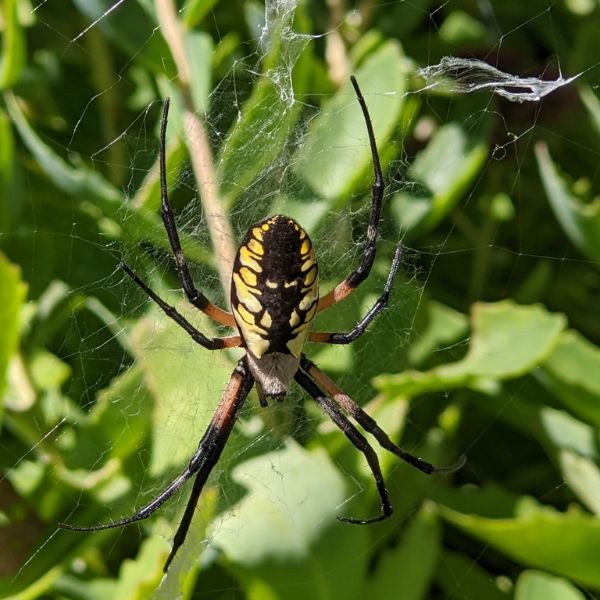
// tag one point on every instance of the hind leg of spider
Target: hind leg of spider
(361, 326)
(359, 442)
(346, 287)
(170, 311)
(194, 295)
(369, 424)
(201, 464)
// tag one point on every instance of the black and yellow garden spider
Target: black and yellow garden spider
(274, 299)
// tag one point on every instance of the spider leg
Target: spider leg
(361, 326)
(206, 456)
(195, 296)
(346, 287)
(362, 418)
(359, 442)
(213, 443)
(170, 311)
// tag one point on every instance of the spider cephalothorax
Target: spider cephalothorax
(274, 299)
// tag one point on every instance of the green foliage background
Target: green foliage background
(488, 349)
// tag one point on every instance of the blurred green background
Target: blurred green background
(489, 347)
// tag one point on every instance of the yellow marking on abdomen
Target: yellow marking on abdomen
(305, 248)
(248, 260)
(246, 294)
(246, 316)
(256, 247)
(310, 277)
(308, 263)
(248, 276)
(266, 320)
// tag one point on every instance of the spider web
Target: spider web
(113, 398)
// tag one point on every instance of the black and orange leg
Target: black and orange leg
(194, 295)
(205, 458)
(361, 326)
(206, 342)
(346, 287)
(369, 424)
(358, 440)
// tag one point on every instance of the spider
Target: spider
(274, 299)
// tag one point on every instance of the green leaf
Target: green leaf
(579, 220)
(75, 181)
(583, 477)
(282, 540)
(592, 104)
(8, 172)
(572, 373)
(460, 28)
(443, 172)
(336, 156)
(535, 585)
(186, 382)
(462, 578)
(199, 49)
(508, 341)
(12, 296)
(139, 577)
(443, 326)
(183, 571)
(12, 58)
(293, 495)
(410, 566)
(567, 544)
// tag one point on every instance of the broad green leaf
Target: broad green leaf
(8, 170)
(283, 539)
(193, 12)
(567, 544)
(572, 373)
(292, 495)
(460, 28)
(592, 103)
(12, 59)
(183, 571)
(508, 340)
(199, 49)
(336, 155)
(571, 444)
(410, 566)
(186, 382)
(139, 577)
(579, 220)
(536, 585)
(12, 296)
(443, 326)
(462, 578)
(75, 181)
(583, 477)
(443, 171)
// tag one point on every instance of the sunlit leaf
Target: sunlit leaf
(536, 585)
(579, 220)
(336, 154)
(507, 341)
(566, 544)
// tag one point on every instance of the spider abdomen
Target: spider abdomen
(274, 288)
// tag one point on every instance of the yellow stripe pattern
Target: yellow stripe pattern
(275, 291)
